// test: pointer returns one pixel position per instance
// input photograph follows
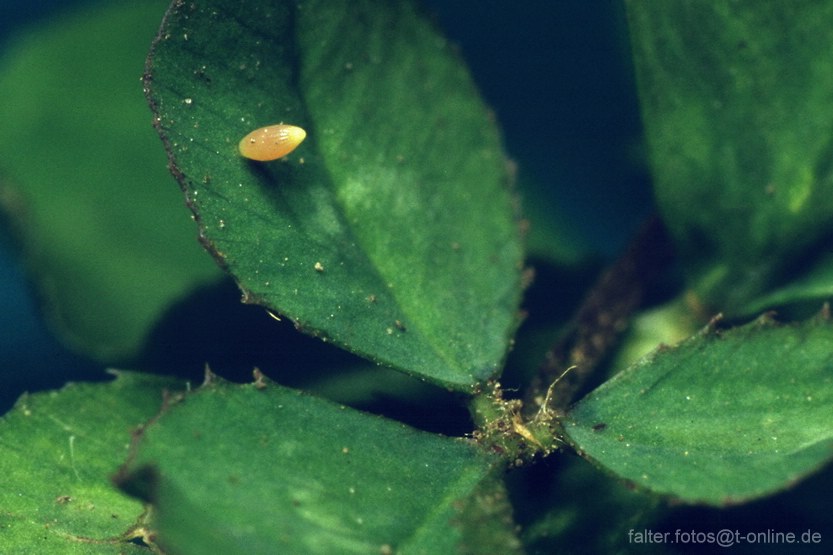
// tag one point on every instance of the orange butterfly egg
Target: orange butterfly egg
(271, 142)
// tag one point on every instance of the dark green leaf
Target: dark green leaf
(808, 291)
(550, 237)
(83, 180)
(57, 453)
(722, 418)
(391, 231)
(739, 120)
(586, 510)
(263, 469)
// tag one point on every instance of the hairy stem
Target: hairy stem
(599, 321)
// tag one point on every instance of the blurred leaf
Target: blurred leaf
(739, 120)
(586, 510)
(262, 469)
(667, 325)
(549, 238)
(57, 452)
(391, 231)
(83, 180)
(720, 419)
(809, 291)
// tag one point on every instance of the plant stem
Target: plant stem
(599, 321)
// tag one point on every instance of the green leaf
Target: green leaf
(586, 510)
(811, 289)
(391, 230)
(549, 238)
(84, 182)
(57, 452)
(259, 468)
(722, 418)
(667, 324)
(739, 121)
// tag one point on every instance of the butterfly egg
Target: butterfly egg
(271, 142)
